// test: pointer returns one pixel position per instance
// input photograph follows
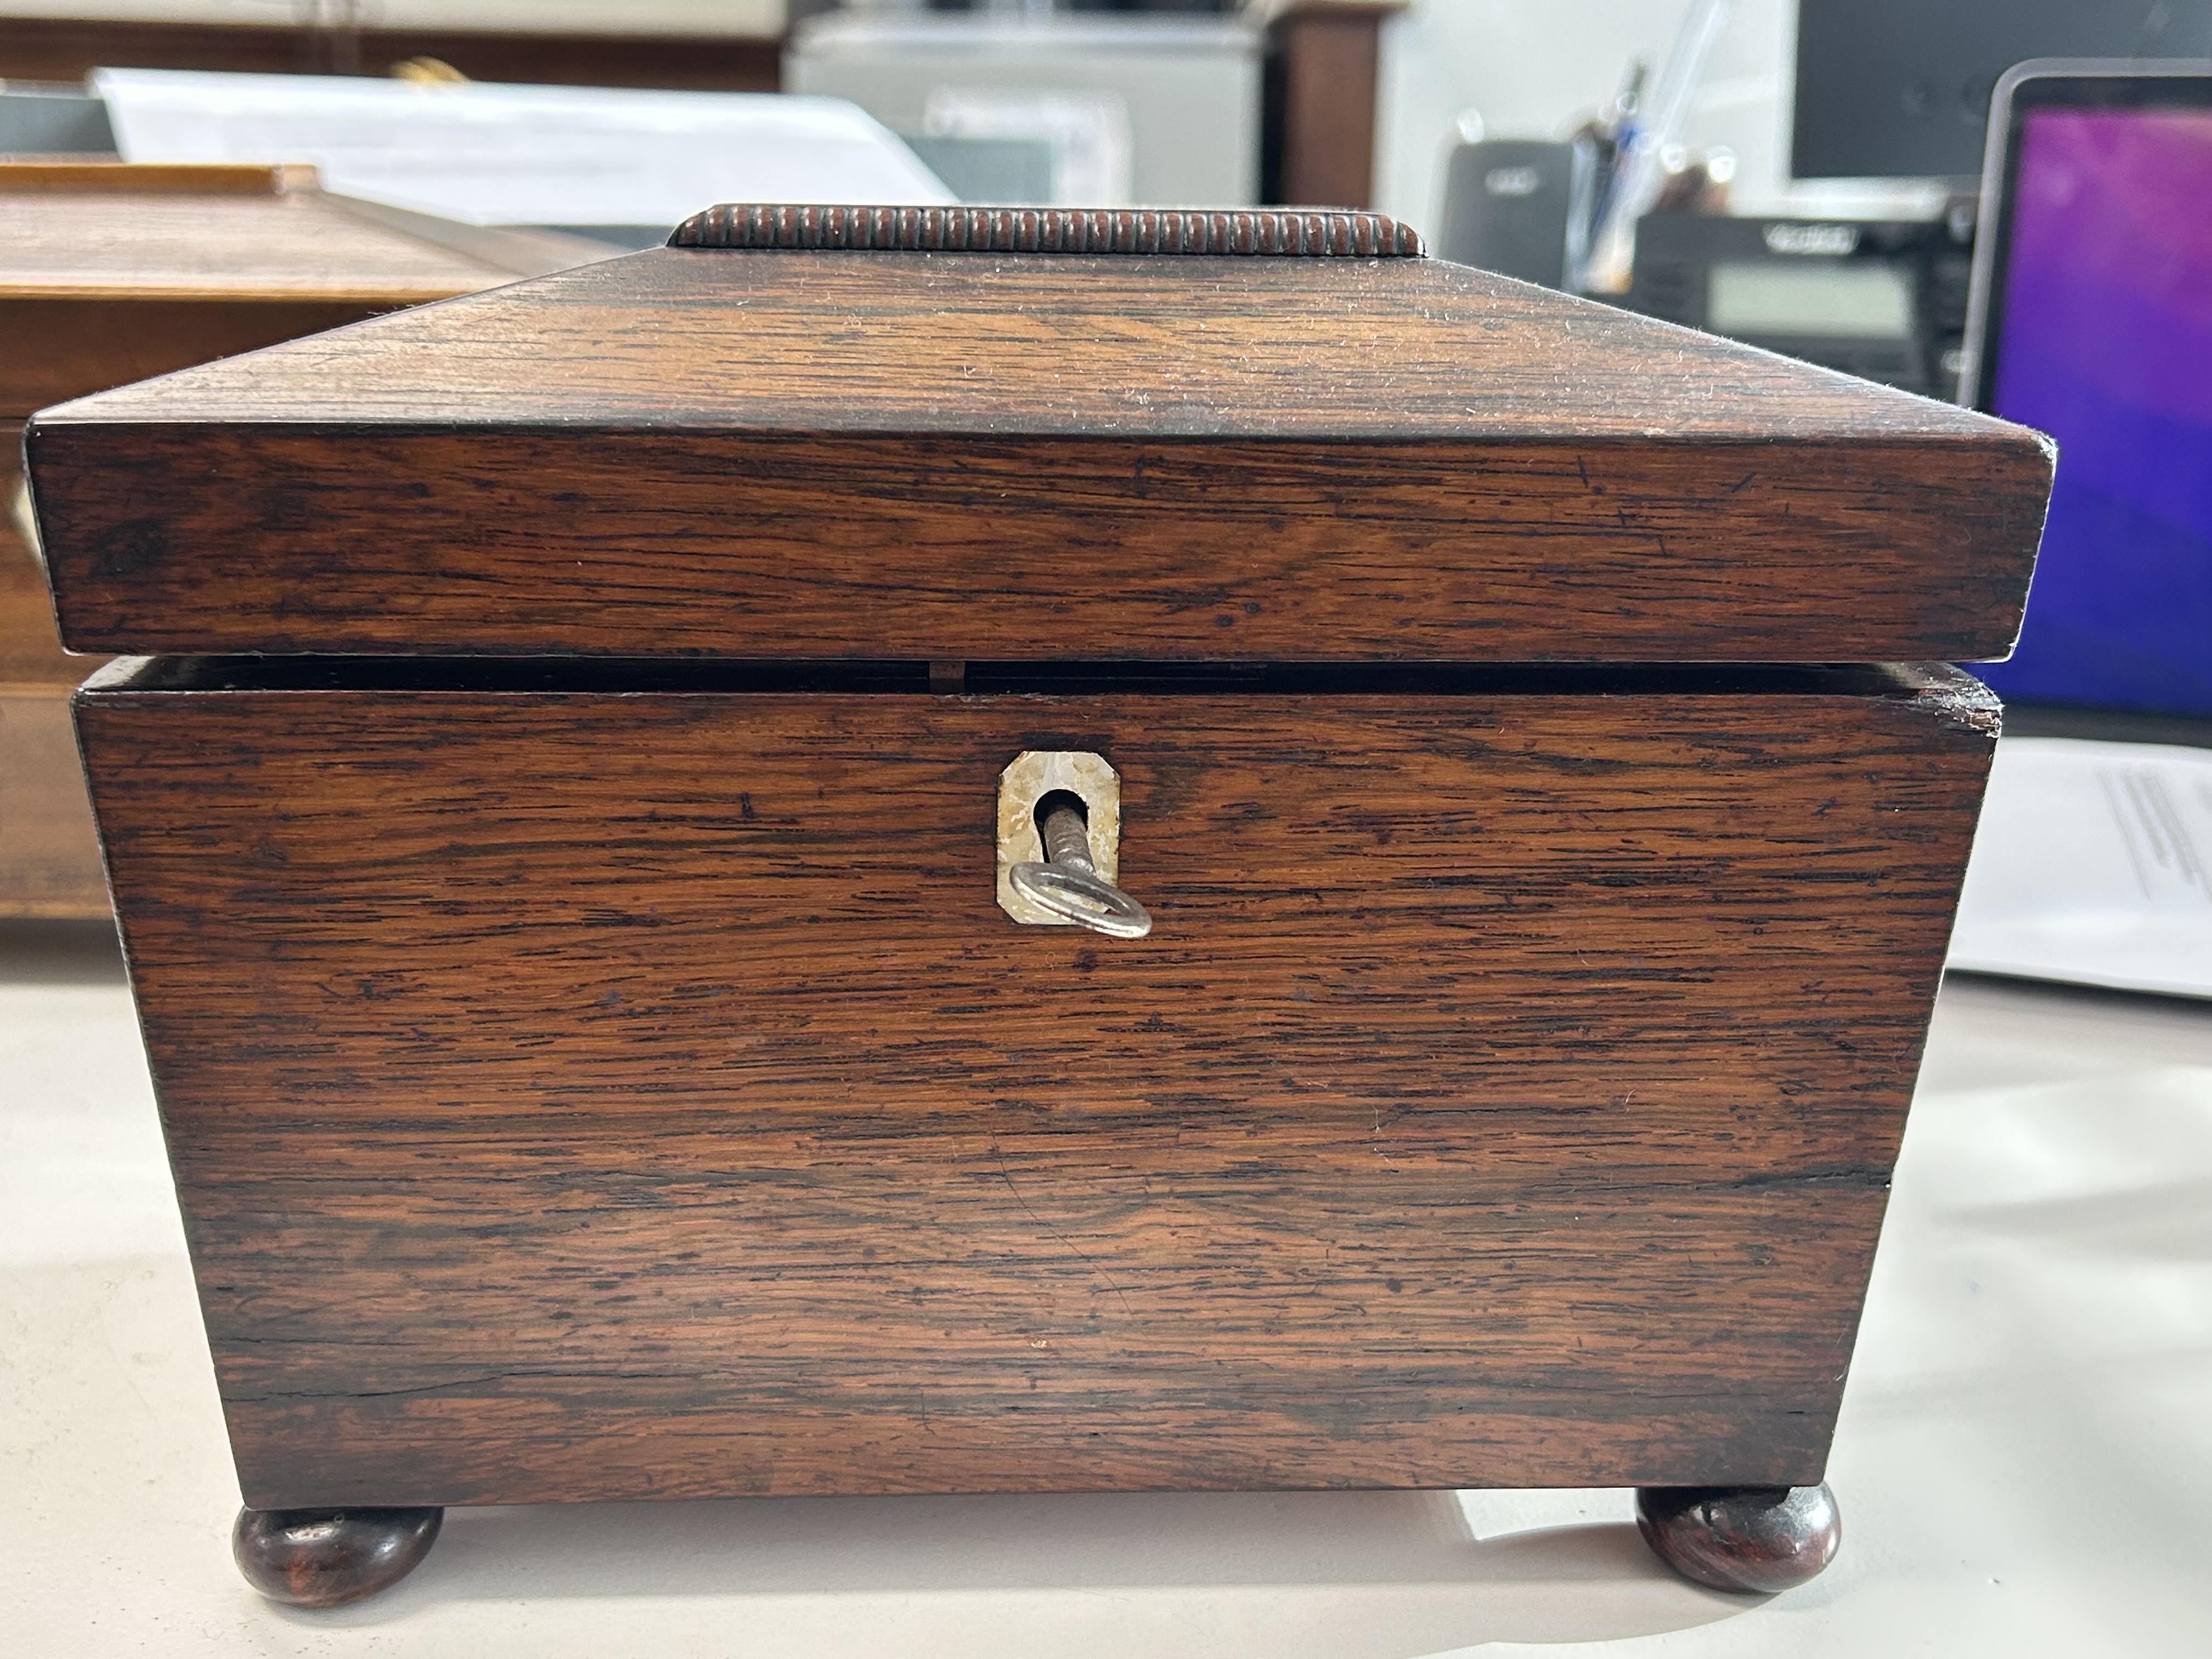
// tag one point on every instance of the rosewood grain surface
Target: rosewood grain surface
(942, 456)
(579, 1094)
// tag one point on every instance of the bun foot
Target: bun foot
(327, 1558)
(1758, 1539)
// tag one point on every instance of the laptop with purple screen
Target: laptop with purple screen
(2092, 320)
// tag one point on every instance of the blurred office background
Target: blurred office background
(1353, 103)
(1805, 176)
(1534, 70)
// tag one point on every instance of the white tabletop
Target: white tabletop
(2024, 1462)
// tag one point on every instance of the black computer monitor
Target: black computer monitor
(1900, 88)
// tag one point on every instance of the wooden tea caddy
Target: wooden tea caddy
(591, 748)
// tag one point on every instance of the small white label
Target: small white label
(1828, 239)
(1512, 181)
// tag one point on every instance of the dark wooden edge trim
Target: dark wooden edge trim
(1953, 697)
(67, 49)
(1266, 232)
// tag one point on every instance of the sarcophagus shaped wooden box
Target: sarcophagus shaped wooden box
(636, 816)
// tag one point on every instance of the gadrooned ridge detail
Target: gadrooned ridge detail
(1264, 232)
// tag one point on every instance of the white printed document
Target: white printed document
(2093, 865)
(497, 155)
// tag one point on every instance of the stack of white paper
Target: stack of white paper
(493, 155)
(2093, 864)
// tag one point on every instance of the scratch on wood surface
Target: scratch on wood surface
(1105, 1278)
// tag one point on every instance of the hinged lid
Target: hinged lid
(1013, 433)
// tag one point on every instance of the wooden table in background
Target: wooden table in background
(110, 273)
(1323, 68)
(737, 50)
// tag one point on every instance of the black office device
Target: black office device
(1885, 302)
(1900, 88)
(1519, 207)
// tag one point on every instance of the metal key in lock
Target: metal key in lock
(1069, 886)
(1064, 804)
